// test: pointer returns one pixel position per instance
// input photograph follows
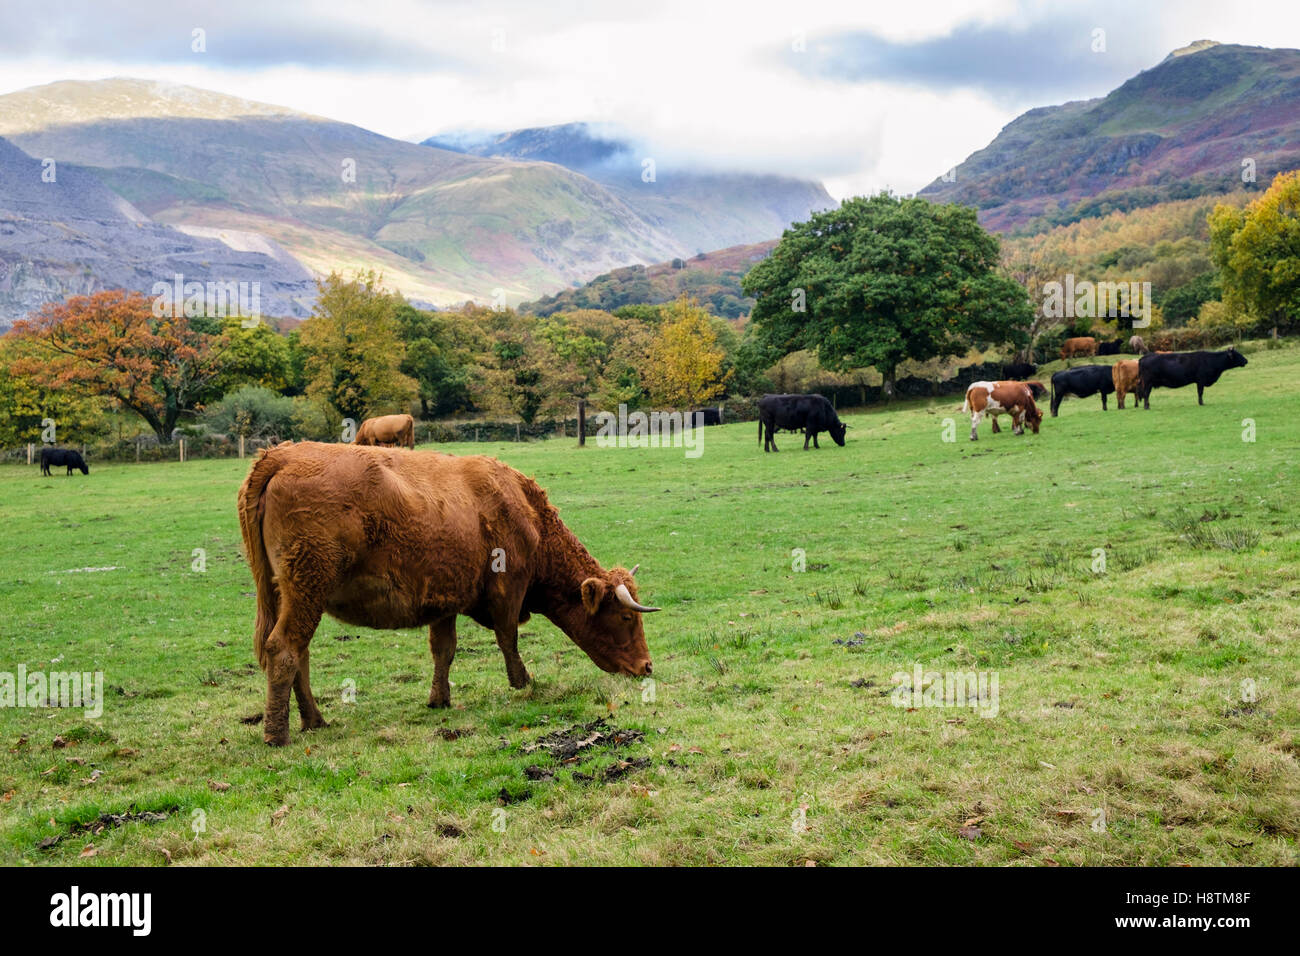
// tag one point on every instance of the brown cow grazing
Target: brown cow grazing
(1083, 345)
(1124, 374)
(395, 539)
(995, 398)
(387, 430)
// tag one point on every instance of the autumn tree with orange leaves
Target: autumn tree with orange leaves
(111, 344)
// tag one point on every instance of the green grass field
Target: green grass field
(1145, 714)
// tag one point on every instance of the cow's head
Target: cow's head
(837, 430)
(1235, 358)
(613, 637)
(85, 469)
(1033, 417)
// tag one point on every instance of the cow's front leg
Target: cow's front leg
(307, 709)
(442, 644)
(508, 640)
(997, 429)
(815, 444)
(806, 435)
(1200, 399)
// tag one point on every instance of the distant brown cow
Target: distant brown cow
(1124, 374)
(387, 430)
(996, 398)
(388, 538)
(1083, 345)
(1137, 346)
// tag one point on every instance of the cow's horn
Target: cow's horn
(625, 597)
(635, 568)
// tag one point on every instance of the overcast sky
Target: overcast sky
(861, 95)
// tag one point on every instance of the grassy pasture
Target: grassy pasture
(1147, 714)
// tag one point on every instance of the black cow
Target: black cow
(1019, 371)
(706, 416)
(809, 414)
(1081, 381)
(59, 457)
(1110, 348)
(1177, 369)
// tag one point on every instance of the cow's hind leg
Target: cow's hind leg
(307, 709)
(284, 651)
(997, 429)
(442, 644)
(975, 424)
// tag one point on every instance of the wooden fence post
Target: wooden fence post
(182, 444)
(137, 448)
(30, 452)
(241, 446)
(582, 422)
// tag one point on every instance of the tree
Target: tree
(111, 344)
(518, 372)
(438, 355)
(686, 362)
(251, 356)
(882, 279)
(1257, 251)
(26, 405)
(354, 354)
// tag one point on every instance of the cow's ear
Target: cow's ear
(593, 592)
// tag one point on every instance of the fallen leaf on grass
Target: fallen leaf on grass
(217, 786)
(9, 795)
(278, 816)
(167, 854)
(970, 833)
(59, 741)
(88, 851)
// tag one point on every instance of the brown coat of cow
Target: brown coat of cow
(1124, 374)
(387, 430)
(995, 398)
(396, 539)
(1083, 345)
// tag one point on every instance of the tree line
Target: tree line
(874, 283)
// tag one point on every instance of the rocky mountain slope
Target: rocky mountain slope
(73, 236)
(1180, 129)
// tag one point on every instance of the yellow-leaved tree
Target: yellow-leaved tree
(353, 350)
(1257, 251)
(687, 365)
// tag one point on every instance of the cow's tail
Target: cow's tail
(965, 405)
(251, 510)
(760, 432)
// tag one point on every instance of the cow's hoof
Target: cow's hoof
(276, 740)
(438, 703)
(314, 724)
(519, 683)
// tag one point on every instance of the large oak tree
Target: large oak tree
(881, 280)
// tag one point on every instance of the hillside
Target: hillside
(700, 209)
(713, 278)
(1176, 131)
(75, 236)
(442, 226)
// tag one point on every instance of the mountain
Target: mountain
(442, 226)
(74, 236)
(713, 278)
(1178, 130)
(700, 209)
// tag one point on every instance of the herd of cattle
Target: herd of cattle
(1015, 397)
